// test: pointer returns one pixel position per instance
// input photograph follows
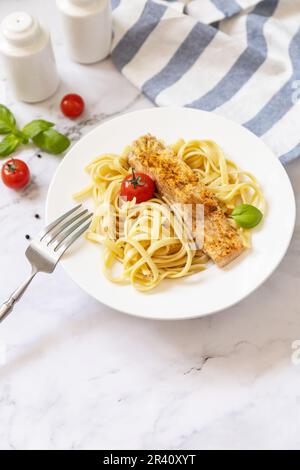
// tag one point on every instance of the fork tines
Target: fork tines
(61, 233)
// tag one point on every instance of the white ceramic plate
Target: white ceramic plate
(203, 293)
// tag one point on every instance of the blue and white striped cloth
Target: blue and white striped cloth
(239, 58)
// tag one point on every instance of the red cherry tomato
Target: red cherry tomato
(72, 105)
(137, 185)
(15, 174)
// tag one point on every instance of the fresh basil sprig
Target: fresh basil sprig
(39, 131)
(9, 144)
(34, 128)
(7, 120)
(51, 141)
(247, 216)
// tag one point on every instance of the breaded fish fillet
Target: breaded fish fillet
(179, 184)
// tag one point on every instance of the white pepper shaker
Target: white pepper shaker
(28, 56)
(87, 28)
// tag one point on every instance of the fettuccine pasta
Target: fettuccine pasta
(143, 242)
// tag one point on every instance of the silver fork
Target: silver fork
(47, 248)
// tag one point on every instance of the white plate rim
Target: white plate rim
(190, 315)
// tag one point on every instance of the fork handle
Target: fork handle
(7, 306)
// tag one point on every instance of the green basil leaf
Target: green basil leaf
(7, 120)
(23, 139)
(33, 128)
(9, 144)
(51, 141)
(247, 216)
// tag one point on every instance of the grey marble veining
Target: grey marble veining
(75, 374)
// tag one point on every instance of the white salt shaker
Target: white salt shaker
(28, 56)
(87, 27)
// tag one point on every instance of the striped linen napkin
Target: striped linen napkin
(239, 58)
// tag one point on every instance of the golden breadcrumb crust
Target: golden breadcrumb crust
(179, 184)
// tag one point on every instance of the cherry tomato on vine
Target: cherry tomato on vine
(72, 105)
(15, 174)
(138, 185)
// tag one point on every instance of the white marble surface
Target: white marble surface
(77, 375)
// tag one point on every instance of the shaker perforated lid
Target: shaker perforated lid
(20, 28)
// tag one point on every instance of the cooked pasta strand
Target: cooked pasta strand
(143, 238)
